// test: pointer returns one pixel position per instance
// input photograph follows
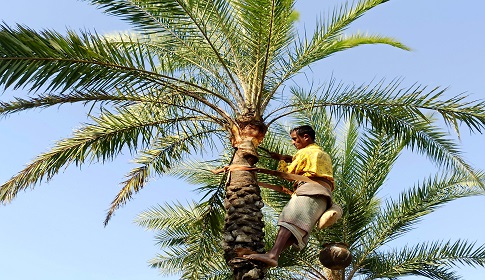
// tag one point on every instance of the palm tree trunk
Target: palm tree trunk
(243, 227)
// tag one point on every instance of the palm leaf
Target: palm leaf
(51, 61)
(164, 153)
(192, 246)
(399, 217)
(398, 112)
(431, 260)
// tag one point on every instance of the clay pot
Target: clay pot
(335, 256)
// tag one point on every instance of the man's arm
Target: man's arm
(277, 156)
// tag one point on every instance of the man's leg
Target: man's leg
(284, 240)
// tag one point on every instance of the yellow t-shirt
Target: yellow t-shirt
(310, 161)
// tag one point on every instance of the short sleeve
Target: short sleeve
(282, 166)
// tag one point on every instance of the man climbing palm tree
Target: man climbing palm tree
(310, 198)
(203, 74)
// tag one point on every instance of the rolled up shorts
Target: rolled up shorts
(300, 215)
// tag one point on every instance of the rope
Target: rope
(287, 176)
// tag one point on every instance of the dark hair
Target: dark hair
(304, 129)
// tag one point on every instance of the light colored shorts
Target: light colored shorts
(300, 216)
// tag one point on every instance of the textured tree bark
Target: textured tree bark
(243, 229)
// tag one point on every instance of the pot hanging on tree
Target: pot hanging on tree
(335, 256)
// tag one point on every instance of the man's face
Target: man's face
(300, 142)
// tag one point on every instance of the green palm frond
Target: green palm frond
(319, 49)
(191, 245)
(169, 63)
(370, 101)
(399, 113)
(344, 158)
(364, 168)
(98, 142)
(358, 39)
(160, 102)
(131, 128)
(283, 273)
(328, 38)
(269, 28)
(193, 31)
(376, 156)
(304, 262)
(164, 153)
(432, 260)
(155, 17)
(400, 216)
(44, 101)
(51, 61)
(343, 16)
(210, 186)
(196, 172)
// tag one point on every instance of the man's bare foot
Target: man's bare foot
(265, 258)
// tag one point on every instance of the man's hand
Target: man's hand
(276, 156)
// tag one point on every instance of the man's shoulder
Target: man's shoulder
(316, 150)
(310, 149)
(313, 146)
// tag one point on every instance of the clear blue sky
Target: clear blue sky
(55, 232)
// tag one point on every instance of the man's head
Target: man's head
(302, 136)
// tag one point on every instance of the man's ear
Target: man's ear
(308, 139)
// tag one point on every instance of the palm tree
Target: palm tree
(363, 161)
(196, 75)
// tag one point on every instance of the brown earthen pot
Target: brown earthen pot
(335, 256)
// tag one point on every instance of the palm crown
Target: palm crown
(194, 72)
